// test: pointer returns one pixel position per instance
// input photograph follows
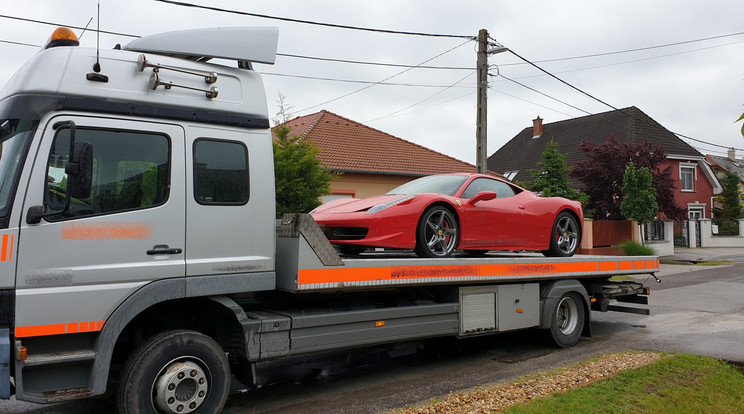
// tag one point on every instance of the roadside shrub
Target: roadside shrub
(632, 248)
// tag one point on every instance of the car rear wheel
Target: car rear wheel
(564, 237)
(437, 233)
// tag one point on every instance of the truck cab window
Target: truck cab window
(220, 172)
(15, 136)
(131, 170)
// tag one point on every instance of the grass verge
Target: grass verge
(678, 384)
(629, 382)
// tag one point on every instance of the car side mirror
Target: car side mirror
(482, 196)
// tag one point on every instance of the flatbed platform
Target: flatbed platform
(306, 261)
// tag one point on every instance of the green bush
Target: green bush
(632, 248)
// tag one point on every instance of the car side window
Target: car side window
(501, 189)
(131, 170)
(220, 172)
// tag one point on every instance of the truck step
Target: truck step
(60, 357)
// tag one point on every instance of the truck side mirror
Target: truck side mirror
(80, 171)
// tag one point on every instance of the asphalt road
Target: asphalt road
(700, 311)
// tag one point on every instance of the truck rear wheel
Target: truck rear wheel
(567, 320)
(175, 372)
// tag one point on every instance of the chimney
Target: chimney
(537, 127)
(732, 154)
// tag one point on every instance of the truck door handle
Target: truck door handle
(174, 250)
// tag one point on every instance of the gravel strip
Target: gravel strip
(500, 396)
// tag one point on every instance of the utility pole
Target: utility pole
(481, 135)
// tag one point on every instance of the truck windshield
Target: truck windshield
(15, 134)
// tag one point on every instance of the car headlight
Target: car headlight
(380, 207)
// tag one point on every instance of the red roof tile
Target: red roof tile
(349, 146)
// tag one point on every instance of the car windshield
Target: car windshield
(437, 184)
(14, 137)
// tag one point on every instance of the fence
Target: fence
(723, 236)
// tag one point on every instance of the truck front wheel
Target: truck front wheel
(175, 372)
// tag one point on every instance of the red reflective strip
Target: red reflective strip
(4, 252)
(10, 251)
(58, 328)
(39, 330)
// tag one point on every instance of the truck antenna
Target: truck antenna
(97, 65)
(96, 76)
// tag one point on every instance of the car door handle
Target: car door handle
(174, 250)
(521, 207)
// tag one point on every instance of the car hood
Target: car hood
(351, 205)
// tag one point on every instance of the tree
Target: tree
(300, 178)
(551, 179)
(731, 208)
(601, 172)
(639, 196)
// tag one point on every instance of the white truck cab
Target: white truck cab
(153, 168)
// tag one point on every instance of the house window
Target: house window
(687, 173)
(509, 175)
(336, 194)
(695, 211)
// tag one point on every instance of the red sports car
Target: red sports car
(438, 214)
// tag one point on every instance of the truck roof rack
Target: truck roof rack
(243, 44)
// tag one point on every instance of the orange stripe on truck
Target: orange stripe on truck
(107, 231)
(6, 254)
(366, 274)
(58, 328)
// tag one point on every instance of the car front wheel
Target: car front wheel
(437, 233)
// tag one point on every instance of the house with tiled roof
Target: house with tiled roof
(720, 164)
(372, 162)
(695, 181)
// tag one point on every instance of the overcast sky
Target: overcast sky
(691, 86)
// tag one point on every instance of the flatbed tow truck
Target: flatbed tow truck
(140, 253)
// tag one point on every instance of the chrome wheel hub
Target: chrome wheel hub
(181, 388)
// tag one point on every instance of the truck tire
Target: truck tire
(567, 320)
(175, 372)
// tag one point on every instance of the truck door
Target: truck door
(230, 209)
(75, 268)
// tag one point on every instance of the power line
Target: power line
(408, 67)
(10, 42)
(421, 101)
(418, 85)
(394, 65)
(384, 80)
(544, 94)
(603, 102)
(640, 49)
(336, 26)
(23, 19)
